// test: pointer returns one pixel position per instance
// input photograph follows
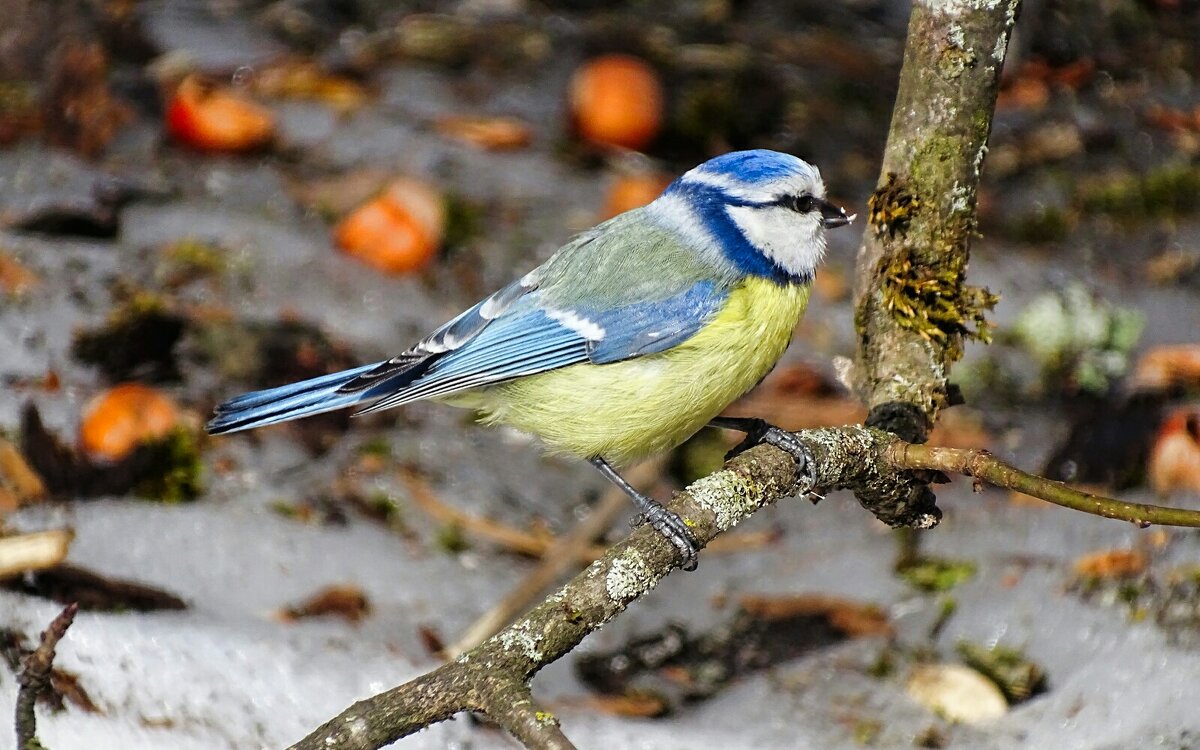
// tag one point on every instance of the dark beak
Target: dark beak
(832, 216)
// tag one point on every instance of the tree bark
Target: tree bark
(913, 309)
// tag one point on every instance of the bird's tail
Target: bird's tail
(288, 402)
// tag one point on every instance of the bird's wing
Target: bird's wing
(532, 337)
(451, 336)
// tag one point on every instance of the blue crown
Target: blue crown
(757, 165)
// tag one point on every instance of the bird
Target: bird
(629, 339)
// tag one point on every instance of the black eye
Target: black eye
(803, 203)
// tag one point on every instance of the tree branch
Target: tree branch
(983, 465)
(492, 678)
(913, 309)
(35, 677)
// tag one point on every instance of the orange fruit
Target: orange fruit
(617, 100)
(122, 418)
(398, 232)
(629, 191)
(1174, 461)
(216, 119)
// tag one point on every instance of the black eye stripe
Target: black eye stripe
(802, 203)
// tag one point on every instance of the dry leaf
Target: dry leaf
(1166, 367)
(633, 190)
(1115, 563)
(957, 693)
(1023, 93)
(633, 704)
(831, 285)
(15, 278)
(305, 80)
(1170, 266)
(338, 195)
(490, 133)
(342, 600)
(17, 476)
(67, 583)
(855, 619)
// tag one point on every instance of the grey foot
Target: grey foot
(665, 522)
(673, 528)
(760, 431)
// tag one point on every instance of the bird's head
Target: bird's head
(765, 211)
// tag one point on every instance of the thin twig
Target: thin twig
(541, 545)
(511, 706)
(984, 465)
(34, 677)
(560, 558)
(36, 550)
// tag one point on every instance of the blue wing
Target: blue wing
(487, 344)
(363, 384)
(532, 338)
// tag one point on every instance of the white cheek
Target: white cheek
(794, 241)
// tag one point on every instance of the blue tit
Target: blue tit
(629, 339)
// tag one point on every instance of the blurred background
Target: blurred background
(203, 198)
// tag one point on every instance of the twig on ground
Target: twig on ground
(35, 677)
(36, 550)
(561, 557)
(540, 545)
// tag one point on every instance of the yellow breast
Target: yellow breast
(628, 410)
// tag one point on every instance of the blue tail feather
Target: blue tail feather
(303, 399)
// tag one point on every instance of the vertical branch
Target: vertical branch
(913, 309)
(34, 678)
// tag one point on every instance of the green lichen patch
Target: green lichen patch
(1017, 676)
(892, 206)
(728, 496)
(953, 61)
(936, 303)
(1080, 341)
(173, 468)
(188, 260)
(935, 574)
(450, 538)
(1167, 191)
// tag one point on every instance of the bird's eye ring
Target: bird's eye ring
(803, 203)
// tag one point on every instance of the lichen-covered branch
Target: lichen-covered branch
(493, 677)
(913, 308)
(35, 677)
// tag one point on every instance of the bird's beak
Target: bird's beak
(833, 216)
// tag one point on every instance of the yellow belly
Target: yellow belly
(627, 410)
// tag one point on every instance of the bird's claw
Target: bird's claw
(806, 469)
(806, 465)
(670, 526)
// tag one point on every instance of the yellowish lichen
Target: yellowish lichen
(936, 302)
(892, 206)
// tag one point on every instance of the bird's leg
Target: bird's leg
(760, 431)
(665, 522)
